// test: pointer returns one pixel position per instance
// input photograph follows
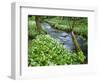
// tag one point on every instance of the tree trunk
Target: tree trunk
(77, 46)
(38, 25)
(61, 18)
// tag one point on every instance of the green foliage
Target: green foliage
(44, 51)
(81, 56)
(30, 17)
(32, 33)
(31, 29)
(81, 30)
(80, 26)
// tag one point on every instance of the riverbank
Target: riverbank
(52, 46)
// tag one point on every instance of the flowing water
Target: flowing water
(64, 38)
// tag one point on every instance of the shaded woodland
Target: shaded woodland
(57, 40)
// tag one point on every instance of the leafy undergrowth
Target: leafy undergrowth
(45, 51)
(32, 33)
(31, 30)
(64, 25)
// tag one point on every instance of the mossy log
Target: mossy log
(77, 46)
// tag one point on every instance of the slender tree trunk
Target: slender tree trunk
(38, 25)
(72, 25)
(78, 49)
(77, 46)
(61, 18)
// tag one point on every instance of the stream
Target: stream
(64, 38)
